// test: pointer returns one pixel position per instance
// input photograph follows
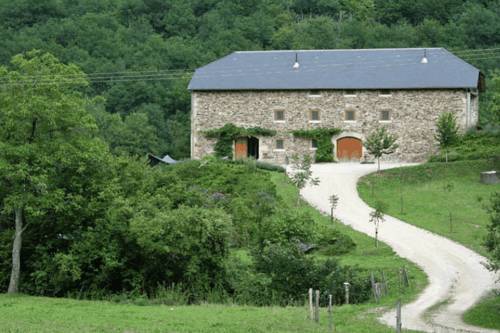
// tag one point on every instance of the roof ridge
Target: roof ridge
(334, 50)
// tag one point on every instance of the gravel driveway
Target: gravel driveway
(456, 275)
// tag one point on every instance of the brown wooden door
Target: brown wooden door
(240, 148)
(349, 149)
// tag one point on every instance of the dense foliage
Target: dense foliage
(162, 39)
(229, 132)
(493, 238)
(323, 137)
(473, 146)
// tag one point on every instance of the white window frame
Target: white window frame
(314, 93)
(350, 93)
(311, 147)
(385, 93)
(309, 115)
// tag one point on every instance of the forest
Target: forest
(98, 221)
(162, 41)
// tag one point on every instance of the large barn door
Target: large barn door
(349, 149)
(240, 148)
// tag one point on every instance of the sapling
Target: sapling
(447, 132)
(301, 173)
(377, 217)
(448, 188)
(381, 142)
(334, 200)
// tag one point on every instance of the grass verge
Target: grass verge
(486, 313)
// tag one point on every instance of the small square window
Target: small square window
(314, 115)
(385, 93)
(279, 115)
(350, 115)
(385, 115)
(314, 144)
(314, 93)
(280, 144)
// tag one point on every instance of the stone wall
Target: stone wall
(413, 116)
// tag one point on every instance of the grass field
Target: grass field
(39, 314)
(486, 313)
(428, 205)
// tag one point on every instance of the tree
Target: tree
(42, 120)
(447, 132)
(492, 241)
(334, 200)
(379, 143)
(301, 173)
(377, 217)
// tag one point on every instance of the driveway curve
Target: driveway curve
(457, 278)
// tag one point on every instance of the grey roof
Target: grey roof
(336, 69)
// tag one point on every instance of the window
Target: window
(385, 115)
(280, 144)
(314, 93)
(279, 115)
(314, 115)
(385, 93)
(350, 115)
(350, 93)
(314, 144)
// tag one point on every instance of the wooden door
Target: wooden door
(240, 148)
(349, 149)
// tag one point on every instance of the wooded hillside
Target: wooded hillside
(157, 43)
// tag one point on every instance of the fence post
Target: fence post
(316, 312)
(311, 311)
(330, 313)
(346, 288)
(398, 317)
(384, 280)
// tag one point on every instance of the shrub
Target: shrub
(333, 243)
(472, 146)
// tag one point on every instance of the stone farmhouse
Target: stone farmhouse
(404, 90)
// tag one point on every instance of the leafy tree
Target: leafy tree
(380, 143)
(40, 125)
(377, 217)
(301, 173)
(447, 132)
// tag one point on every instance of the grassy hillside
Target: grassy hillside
(426, 202)
(40, 314)
(418, 195)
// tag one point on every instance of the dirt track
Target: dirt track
(456, 276)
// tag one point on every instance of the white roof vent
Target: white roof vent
(424, 58)
(296, 64)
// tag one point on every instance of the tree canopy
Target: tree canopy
(174, 36)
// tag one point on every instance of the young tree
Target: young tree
(43, 120)
(447, 132)
(301, 173)
(380, 142)
(377, 217)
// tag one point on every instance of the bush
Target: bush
(333, 243)
(472, 146)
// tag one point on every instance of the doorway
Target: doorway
(246, 147)
(349, 148)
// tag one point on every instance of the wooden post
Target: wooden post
(372, 281)
(398, 317)
(330, 314)
(384, 281)
(311, 311)
(405, 277)
(316, 305)
(346, 289)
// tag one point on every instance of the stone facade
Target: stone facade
(413, 115)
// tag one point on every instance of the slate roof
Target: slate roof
(336, 69)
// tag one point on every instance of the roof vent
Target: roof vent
(296, 64)
(424, 59)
